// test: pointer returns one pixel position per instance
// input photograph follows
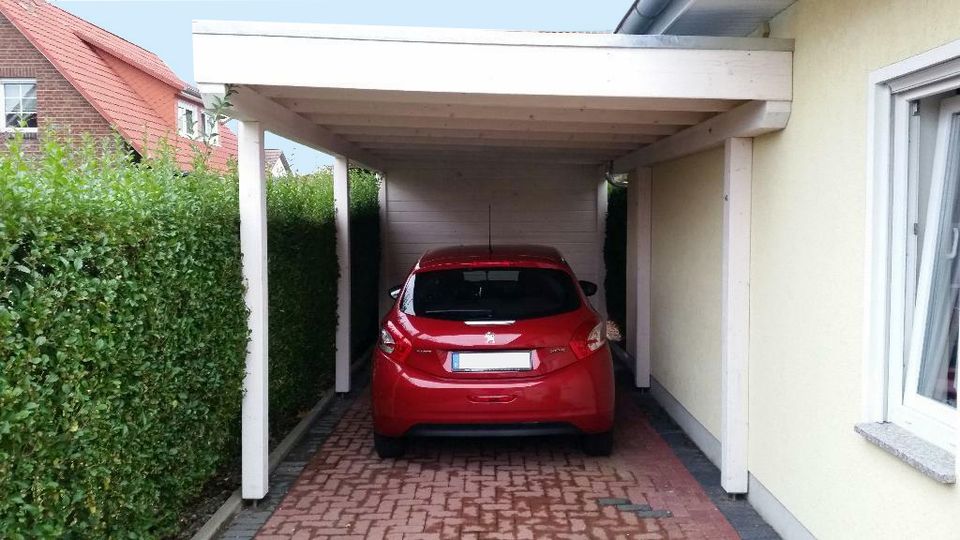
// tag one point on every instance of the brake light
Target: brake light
(587, 340)
(393, 343)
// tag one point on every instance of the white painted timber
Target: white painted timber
(600, 299)
(341, 206)
(430, 206)
(489, 62)
(497, 112)
(253, 246)
(247, 104)
(379, 141)
(447, 136)
(639, 258)
(527, 102)
(384, 281)
(735, 314)
(337, 121)
(748, 120)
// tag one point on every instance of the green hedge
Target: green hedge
(303, 284)
(123, 331)
(615, 255)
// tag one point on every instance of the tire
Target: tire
(388, 447)
(597, 444)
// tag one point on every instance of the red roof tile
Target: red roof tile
(131, 87)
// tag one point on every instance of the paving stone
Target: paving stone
(333, 485)
(608, 501)
(654, 513)
(634, 507)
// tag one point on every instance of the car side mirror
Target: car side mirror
(589, 287)
(395, 291)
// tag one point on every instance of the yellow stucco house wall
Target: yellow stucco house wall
(809, 200)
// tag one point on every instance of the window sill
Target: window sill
(931, 460)
(27, 133)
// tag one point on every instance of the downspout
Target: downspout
(641, 16)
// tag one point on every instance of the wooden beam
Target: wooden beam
(529, 102)
(336, 121)
(253, 246)
(380, 143)
(591, 156)
(273, 117)
(735, 314)
(443, 160)
(353, 132)
(749, 120)
(341, 207)
(514, 63)
(498, 112)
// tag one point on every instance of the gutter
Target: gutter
(641, 16)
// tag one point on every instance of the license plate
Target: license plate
(492, 361)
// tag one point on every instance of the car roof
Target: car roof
(455, 256)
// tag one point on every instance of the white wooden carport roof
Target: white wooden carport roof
(382, 94)
(389, 96)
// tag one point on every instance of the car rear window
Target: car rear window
(469, 294)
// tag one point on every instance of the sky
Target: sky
(164, 27)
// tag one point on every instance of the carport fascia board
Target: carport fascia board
(526, 63)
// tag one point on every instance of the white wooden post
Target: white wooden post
(735, 314)
(341, 204)
(600, 300)
(253, 245)
(386, 279)
(639, 252)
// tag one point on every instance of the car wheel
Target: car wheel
(597, 444)
(388, 447)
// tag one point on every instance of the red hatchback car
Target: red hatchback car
(490, 342)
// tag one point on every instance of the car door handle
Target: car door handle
(493, 398)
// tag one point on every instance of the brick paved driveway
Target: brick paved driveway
(502, 488)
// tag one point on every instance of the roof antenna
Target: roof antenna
(490, 229)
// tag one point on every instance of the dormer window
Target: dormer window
(188, 120)
(19, 101)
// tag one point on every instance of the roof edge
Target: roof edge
(471, 36)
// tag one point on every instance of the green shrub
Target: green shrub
(364, 258)
(123, 330)
(122, 337)
(615, 255)
(303, 273)
(301, 246)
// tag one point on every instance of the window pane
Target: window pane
(938, 364)
(490, 293)
(20, 120)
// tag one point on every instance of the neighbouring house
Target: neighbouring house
(276, 163)
(793, 203)
(59, 72)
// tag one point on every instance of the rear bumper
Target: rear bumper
(576, 398)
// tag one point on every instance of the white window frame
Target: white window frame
(197, 119)
(890, 209)
(3, 103)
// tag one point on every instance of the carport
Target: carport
(510, 134)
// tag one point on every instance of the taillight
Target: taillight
(393, 343)
(387, 343)
(587, 340)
